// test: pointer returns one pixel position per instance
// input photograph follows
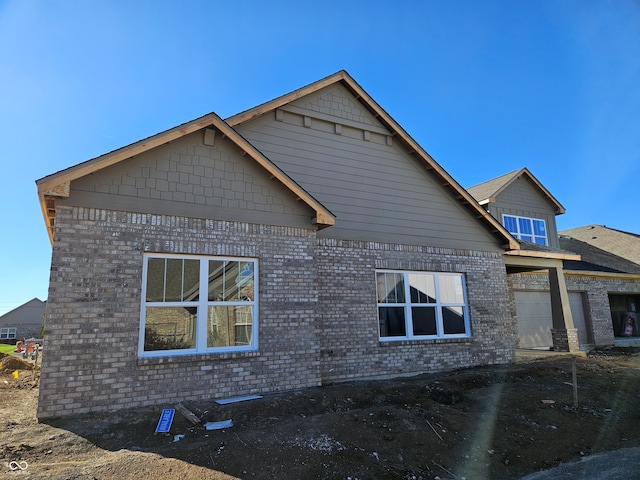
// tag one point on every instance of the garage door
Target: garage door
(534, 319)
(576, 300)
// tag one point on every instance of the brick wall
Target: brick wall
(317, 312)
(93, 313)
(597, 289)
(347, 296)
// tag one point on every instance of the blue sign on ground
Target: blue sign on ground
(166, 419)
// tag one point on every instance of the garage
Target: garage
(535, 319)
(580, 321)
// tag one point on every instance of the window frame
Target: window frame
(8, 333)
(202, 304)
(519, 234)
(438, 306)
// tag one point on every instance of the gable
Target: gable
(188, 177)
(522, 198)
(521, 195)
(489, 191)
(30, 312)
(346, 158)
(56, 187)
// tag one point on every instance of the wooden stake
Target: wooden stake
(575, 382)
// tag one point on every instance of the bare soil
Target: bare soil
(492, 422)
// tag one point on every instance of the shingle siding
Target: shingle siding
(188, 178)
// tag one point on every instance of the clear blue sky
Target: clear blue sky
(486, 87)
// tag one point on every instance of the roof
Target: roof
(595, 259)
(57, 185)
(488, 191)
(33, 303)
(397, 132)
(617, 242)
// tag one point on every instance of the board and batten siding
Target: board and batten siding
(188, 178)
(523, 199)
(378, 191)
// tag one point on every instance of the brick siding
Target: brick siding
(317, 312)
(93, 314)
(347, 296)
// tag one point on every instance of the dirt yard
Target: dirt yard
(494, 422)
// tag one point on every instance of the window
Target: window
(421, 305)
(531, 230)
(7, 333)
(198, 304)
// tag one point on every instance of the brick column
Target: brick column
(565, 340)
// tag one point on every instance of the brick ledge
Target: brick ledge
(195, 358)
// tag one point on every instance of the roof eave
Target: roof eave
(547, 255)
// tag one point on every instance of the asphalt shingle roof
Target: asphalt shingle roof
(486, 190)
(622, 244)
(595, 259)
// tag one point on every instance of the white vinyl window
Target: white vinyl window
(7, 333)
(421, 305)
(532, 230)
(195, 304)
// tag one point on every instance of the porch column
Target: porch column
(563, 333)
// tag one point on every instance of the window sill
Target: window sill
(196, 358)
(430, 341)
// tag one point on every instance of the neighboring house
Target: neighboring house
(306, 241)
(22, 322)
(601, 287)
(609, 275)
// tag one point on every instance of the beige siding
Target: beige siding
(521, 198)
(186, 177)
(378, 191)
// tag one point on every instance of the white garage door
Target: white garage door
(534, 319)
(576, 300)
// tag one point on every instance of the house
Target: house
(601, 284)
(22, 322)
(305, 241)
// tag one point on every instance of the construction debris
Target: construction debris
(189, 415)
(218, 425)
(225, 401)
